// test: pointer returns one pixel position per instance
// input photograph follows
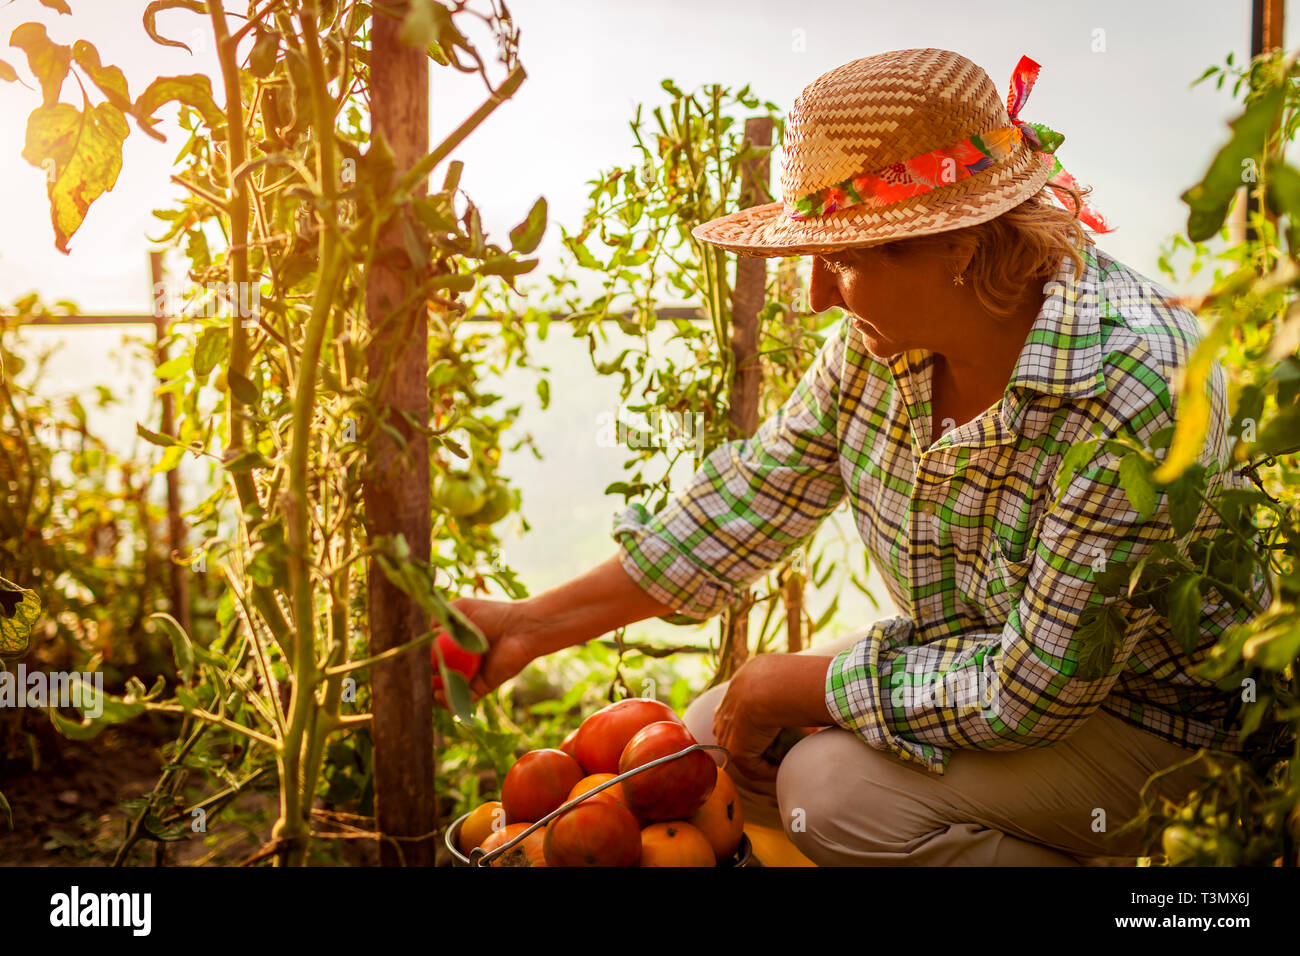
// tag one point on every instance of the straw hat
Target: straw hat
(907, 143)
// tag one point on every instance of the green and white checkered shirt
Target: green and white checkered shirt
(989, 577)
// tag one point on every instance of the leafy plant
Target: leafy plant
(286, 195)
(1247, 811)
(683, 388)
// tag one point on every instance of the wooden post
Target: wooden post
(791, 290)
(178, 571)
(1266, 20)
(396, 482)
(792, 597)
(750, 292)
(747, 299)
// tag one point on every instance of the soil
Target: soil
(67, 807)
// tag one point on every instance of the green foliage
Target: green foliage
(1246, 811)
(675, 392)
(79, 538)
(276, 382)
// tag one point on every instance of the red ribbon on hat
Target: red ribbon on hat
(1022, 82)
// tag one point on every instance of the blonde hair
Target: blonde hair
(1023, 245)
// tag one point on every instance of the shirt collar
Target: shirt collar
(1062, 352)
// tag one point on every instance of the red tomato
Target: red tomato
(567, 744)
(539, 782)
(456, 658)
(674, 790)
(594, 833)
(602, 736)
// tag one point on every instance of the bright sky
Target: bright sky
(1133, 128)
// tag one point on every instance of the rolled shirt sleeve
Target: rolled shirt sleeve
(749, 504)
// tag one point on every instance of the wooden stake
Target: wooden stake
(792, 597)
(1267, 17)
(750, 293)
(747, 300)
(396, 483)
(179, 582)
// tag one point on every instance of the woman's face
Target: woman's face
(897, 299)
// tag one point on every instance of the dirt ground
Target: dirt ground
(67, 809)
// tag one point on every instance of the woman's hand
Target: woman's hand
(508, 627)
(769, 693)
(519, 632)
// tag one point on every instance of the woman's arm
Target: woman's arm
(751, 501)
(594, 603)
(518, 632)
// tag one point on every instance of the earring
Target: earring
(959, 278)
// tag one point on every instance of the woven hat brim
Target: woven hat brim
(766, 231)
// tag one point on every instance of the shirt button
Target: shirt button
(927, 508)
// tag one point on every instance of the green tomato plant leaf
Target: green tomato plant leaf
(182, 646)
(193, 90)
(1100, 634)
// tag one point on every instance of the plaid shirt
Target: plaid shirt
(989, 577)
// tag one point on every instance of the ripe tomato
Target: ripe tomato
(674, 790)
(720, 819)
(538, 783)
(675, 844)
(480, 825)
(613, 794)
(567, 744)
(457, 658)
(602, 736)
(594, 833)
(527, 853)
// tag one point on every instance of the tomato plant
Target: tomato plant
(286, 192)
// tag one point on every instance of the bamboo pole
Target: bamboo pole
(396, 483)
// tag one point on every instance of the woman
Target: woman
(991, 722)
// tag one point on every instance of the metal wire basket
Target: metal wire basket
(744, 855)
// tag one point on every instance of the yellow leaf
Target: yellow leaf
(82, 156)
(48, 61)
(1193, 408)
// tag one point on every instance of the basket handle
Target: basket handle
(478, 857)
